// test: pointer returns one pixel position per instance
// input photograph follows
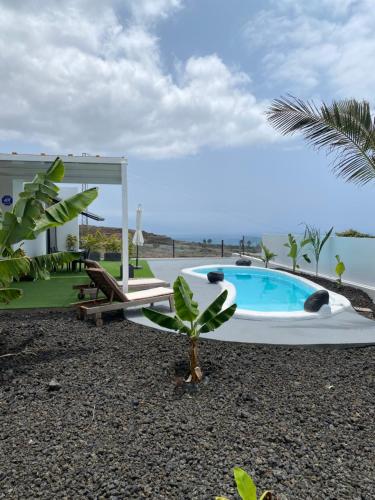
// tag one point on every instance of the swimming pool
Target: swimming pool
(261, 292)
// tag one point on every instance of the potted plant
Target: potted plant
(71, 242)
(112, 246)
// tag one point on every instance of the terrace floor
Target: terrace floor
(344, 328)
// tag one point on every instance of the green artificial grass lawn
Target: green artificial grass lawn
(58, 291)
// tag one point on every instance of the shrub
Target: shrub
(353, 233)
(267, 254)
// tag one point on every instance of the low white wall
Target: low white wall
(358, 255)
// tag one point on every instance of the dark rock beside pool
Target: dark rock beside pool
(215, 276)
(243, 262)
(314, 302)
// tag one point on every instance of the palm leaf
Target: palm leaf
(345, 128)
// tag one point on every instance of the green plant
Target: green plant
(187, 310)
(32, 214)
(317, 242)
(267, 254)
(353, 233)
(295, 251)
(71, 242)
(112, 244)
(340, 269)
(246, 487)
(93, 241)
(345, 128)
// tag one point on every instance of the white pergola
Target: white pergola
(78, 170)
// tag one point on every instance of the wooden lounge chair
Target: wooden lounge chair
(134, 284)
(115, 299)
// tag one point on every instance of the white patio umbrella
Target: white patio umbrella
(138, 239)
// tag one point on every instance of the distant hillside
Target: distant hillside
(151, 238)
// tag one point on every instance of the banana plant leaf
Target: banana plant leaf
(65, 210)
(218, 320)
(13, 268)
(245, 485)
(165, 321)
(8, 294)
(213, 309)
(41, 265)
(186, 307)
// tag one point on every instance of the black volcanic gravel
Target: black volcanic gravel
(357, 297)
(118, 423)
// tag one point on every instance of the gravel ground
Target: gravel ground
(123, 425)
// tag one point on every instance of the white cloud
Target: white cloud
(149, 10)
(87, 75)
(322, 46)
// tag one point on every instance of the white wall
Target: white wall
(358, 255)
(71, 227)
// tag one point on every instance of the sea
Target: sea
(229, 239)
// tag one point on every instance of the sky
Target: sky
(181, 89)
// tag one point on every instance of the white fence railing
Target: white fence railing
(358, 255)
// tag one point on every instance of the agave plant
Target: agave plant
(345, 128)
(187, 310)
(317, 242)
(246, 487)
(295, 251)
(267, 254)
(32, 214)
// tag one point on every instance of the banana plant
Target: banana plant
(267, 254)
(340, 269)
(246, 487)
(187, 310)
(296, 250)
(317, 242)
(33, 213)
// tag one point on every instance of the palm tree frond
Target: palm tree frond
(344, 128)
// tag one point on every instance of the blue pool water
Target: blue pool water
(262, 290)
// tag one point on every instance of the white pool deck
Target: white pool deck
(344, 328)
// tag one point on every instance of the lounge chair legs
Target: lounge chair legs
(98, 319)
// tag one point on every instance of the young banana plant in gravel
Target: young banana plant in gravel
(246, 487)
(295, 251)
(187, 310)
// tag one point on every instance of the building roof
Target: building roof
(78, 169)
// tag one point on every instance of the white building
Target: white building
(15, 169)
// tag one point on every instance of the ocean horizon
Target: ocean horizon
(217, 238)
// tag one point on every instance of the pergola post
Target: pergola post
(125, 229)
